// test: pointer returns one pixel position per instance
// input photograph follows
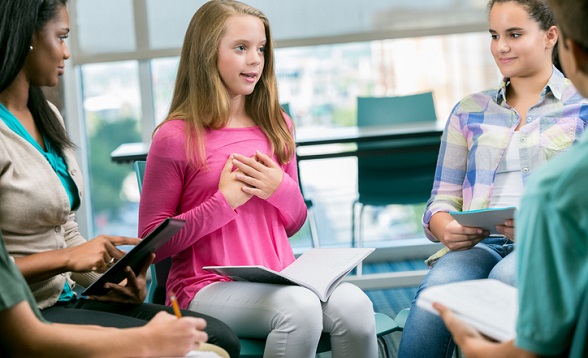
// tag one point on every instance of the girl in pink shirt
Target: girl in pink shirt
(224, 161)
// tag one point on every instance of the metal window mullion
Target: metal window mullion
(147, 120)
(73, 113)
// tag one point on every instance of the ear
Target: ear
(551, 36)
(34, 39)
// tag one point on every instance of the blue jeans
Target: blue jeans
(424, 333)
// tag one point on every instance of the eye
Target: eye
(261, 49)
(240, 48)
(63, 37)
(515, 36)
(494, 36)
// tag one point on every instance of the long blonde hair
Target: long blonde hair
(200, 98)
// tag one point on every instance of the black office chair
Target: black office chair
(250, 347)
(401, 172)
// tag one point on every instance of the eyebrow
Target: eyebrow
(246, 41)
(510, 29)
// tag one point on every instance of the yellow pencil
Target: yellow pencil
(175, 306)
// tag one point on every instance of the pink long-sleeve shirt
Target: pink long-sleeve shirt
(255, 233)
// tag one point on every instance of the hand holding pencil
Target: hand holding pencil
(206, 347)
(174, 302)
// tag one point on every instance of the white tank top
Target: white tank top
(508, 183)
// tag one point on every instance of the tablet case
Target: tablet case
(136, 256)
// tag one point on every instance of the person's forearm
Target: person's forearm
(42, 266)
(33, 338)
(22, 334)
(491, 349)
(90, 341)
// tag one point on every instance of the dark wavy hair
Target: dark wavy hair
(539, 11)
(19, 20)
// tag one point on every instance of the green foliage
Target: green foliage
(344, 117)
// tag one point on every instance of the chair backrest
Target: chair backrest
(286, 108)
(140, 172)
(374, 111)
(402, 172)
(160, 270)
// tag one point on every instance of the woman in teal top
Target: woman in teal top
(41, 185)
(52, 156)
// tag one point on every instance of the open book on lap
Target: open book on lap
(489, 305)
(320, 270)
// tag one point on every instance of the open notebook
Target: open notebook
(489, 305)
(320, 270)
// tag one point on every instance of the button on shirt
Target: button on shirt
(478, 132)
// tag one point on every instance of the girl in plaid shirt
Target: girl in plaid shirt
(492, 142)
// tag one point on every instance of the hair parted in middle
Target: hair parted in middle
(540, 12)
(200, 97)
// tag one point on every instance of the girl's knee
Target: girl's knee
(301, 307)
(350, 307)
(505, 270)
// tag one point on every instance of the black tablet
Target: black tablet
(136, 256)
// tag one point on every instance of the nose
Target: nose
(502, 45)
(66, 53)
(254, 57)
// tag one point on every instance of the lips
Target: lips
(60, 71)
(506, 60)
(249, 77)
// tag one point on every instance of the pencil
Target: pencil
(175, 306)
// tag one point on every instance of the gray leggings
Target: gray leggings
(293, 318)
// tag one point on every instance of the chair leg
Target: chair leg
(359, 268)
(353, 223)
(383, 347)
(360, 227)
(457, 352)
(313, 230)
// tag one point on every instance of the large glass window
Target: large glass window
(320, 84)
(164, 75)
(112, 103)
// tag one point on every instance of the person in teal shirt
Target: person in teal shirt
(552, 234)
(24, 332)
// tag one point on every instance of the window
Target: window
(111, 103)
(125, 74)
